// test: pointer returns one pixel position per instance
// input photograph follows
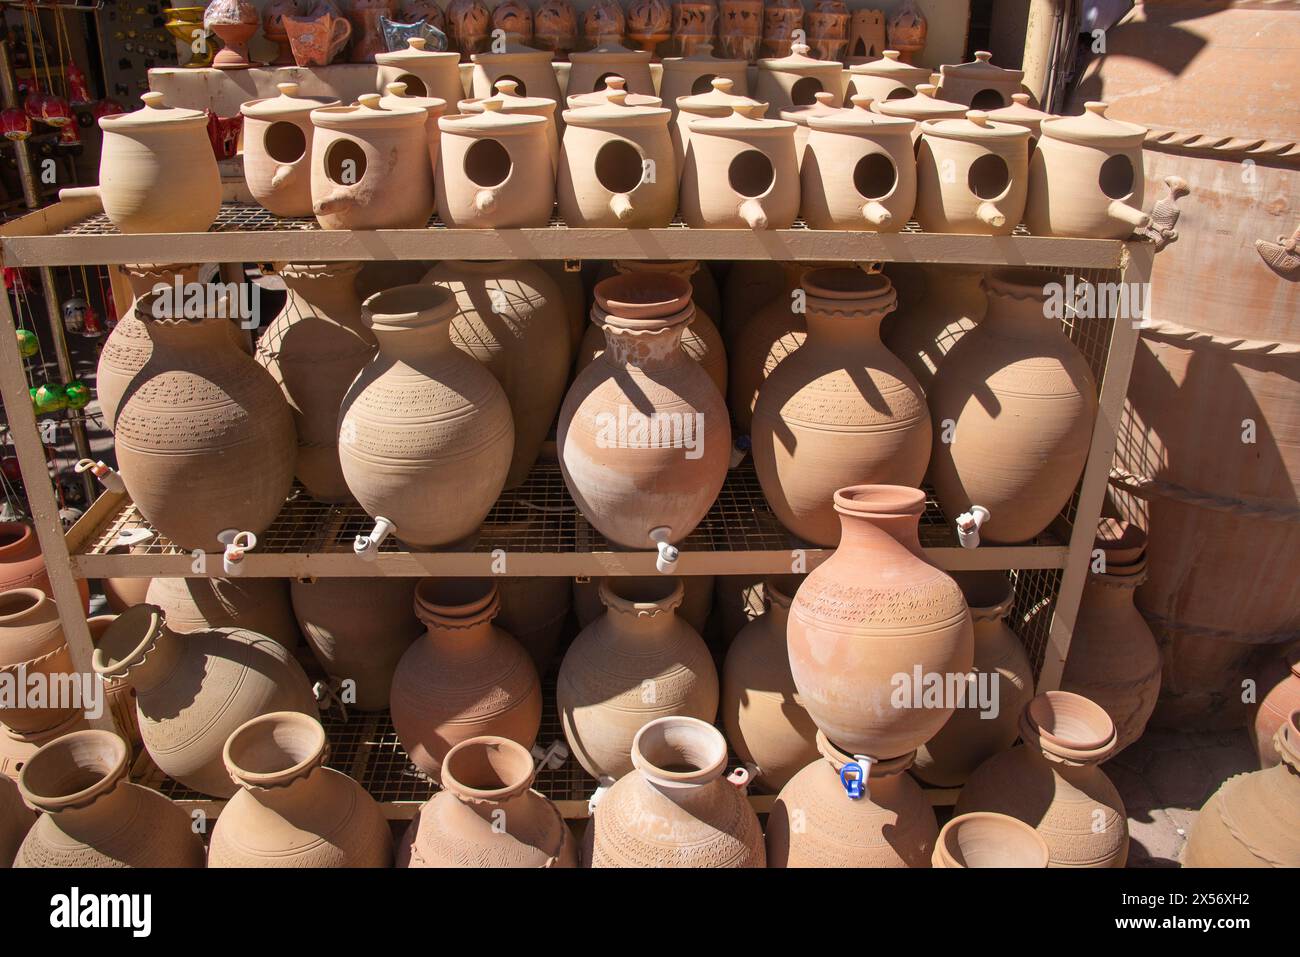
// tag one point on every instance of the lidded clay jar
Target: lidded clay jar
(489, 177)
(33, 653)
(1020, 113)
(717, 102)
(530, 69)
(694, 75)
(399, 98)
(291, 810)
(983, 839)
(425, 72)
(922, 105)
(93, 816)
(512, 101)
(277, 148)
(818, 822)
(888, 78)
(591, 68)
(795, 80)
(741, 172)
(16, 819)
(260, 605)
(644, 439)
(817, 425)
(874, 610)
(637, 662)
(487, 814)
(464, 677)
(675, 809)
(615, 90)
(979, 84)
(824, 103)
(972, 175)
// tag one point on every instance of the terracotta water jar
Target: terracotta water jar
(829, 816)
(695, 609)
(21, 563)
(92, 816)
(489, 177)
(1018, 400)
(291, 810)
(937, 305)
(693, 75)
(675, 809)
(535, 610)
(425, 432)
(1279, 703)
(988, 722)
(425, 72)
(983, 839)
(979, 84)
(119, 696)
(259, 605)
(887, 78)
(591, 68)
(1253, 820)
(34, 657)
(277, 149)
(487, 814)
(638, 662)
(717, 102)
(972, 175)
(796, 79)
(464, 677)
(512, 101)
(529, 68)
(847, 621)
(817, 427)
(639, 485)
(741, 172)
(765, 723)
(921, 106)
(762, 336)
(16, 819)
(193, 690)
(1052, 781)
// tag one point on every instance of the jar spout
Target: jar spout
(990, 214)
(751, 211)
(876, 214)
(1127, 214)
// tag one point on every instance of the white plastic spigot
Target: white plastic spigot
(666, 563)
(550, 758)
(237, 545)
(603, 785)
(366, 547)
(968, 526)
(106, 474)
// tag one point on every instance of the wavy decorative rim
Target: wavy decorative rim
(78, 749)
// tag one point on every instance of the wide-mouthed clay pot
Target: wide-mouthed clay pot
(888, 78)
(291, 810)
(972, 175)
(16, 819)
(512, 101)
(763, 330)
(489, 177)
(1278, 704)
(985, 839)
(259, 605)
(530, 69)
(741, 172)
(937, 305)
(979, 84)
(694, 75)
(425, 72)
(277, 149)
(34, 659)
(795, 80)
(716, 102)
(21, 563)
(487, 814)
(591, 68)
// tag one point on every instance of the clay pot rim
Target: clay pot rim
(837, 757)
(479, 795)
(1123, 542)
(307, 729)
(628, 300)
(709, 737)
(114, 757)
(981, 69)
(315, 270)
(1015, 828)
(463, 615)
(1019, 282)
(1129, 575)
(867, 501)
(1037, 725)
(14, 537)
(622, 605)
(871, 293)
(984, 609)
(775, 594)
(412, 306)
(41, 737)
(127, 643)
(18, 604)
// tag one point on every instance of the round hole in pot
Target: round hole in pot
(345, 162)
(703, 84)
(521, 88)
(619, 166)
(805, 90)
(414, 85)
(600, 80)
(899, 93)
(487, 163)
(284, 142)
(751, 173)
(987, 100)
(1116, 176)
(874, 176)
(989, 176)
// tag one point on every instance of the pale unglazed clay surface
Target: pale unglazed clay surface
(765, 333)
(259, 605)
(984, 840)
(590, 67)
(437, 71)
(278, 180)
(946, 201)
(16, 819)
(779, 79)
(21, 563)
(535, 610)
(16, 749)
(524, 197)
(980, 82)
(695, 609)
(708, 199)
(700, 340)
(32, 644)
(531, 68)
(887, 77)
(1282, 700)
(937, 305)
(573, 294)
(119, 698)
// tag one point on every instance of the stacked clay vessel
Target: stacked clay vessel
(984, 840)
(33, 654)
(23, 566)
(259, 605)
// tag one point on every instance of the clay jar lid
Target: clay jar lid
(799, 62)
(1020, 113)
(641, 597)
(989, 594)
(514, 53)
(986, 839)
(274, 750)
(975, 128)
(880, 767)
(666, 745)
(981, 70)
(922, 105)
(74, 770)
(493, 121)
(507, 94)
(1068, 727)
(454, 602)
(823, 105)
(702, 58)
(488, 770)
(892, 67)
(613, 85)
(861, 121)
(128, 641)
(1092, 128)
(610, 53)
(869, 293)
(616, 112)
(643, 300)
(155, 114)
(398, 99)
(287, 106)
(415, 53)
(720, 101)
(366, 113)
(741, 126)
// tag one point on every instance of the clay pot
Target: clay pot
(530, 69)
(704, 289)
(489, 177)
(314, 349)
(367, 33)
(370, 167)
(535, 611)
(824, 103)
(907, 30)
(989, 721)
(464, 677)
(277, 145)
(739, 600)
(604, 20)
(514, 18)
(638, 662)
(1022, 400)
(675, 809)
(627, 481)
(795, 80)
(1020, 113)
(122, 593)
(817, 427)
(1085, 177)
(259, 605)
(765, 723)
(1253, 820)
(273, 29)
(740, 29)
(193, 691)
(971, 175)
(828, 29)
(694, 24)
(93, 816)
(468, 26)
(487, 814)
(922, 105)
(937, 305)
(118, 694)
(358, 629)
(858, 171)
(695, 609)
(888, 78)
(291, 810)
(591, 68)
(432, 73)
(693, 75)
(740, 173)
(317, 37)
(649, 23)
(426, 10)
(555, 27)
(15, 821)
(573, 292)
(763, 335)
(425, 433)
(397, 97)
(983, 839)
(781, 18)
(510, 317)
(818, 822)
(34, 657)
(234, 22)
(1280, 702)
(1052, 782)
(846, 619)
(16, 748)
(512, 101)
(718, 102)
(21, 563)
(979, 84)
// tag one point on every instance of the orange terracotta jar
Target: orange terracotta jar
(762, 330)
(695, 609)
(23, 566)
(937, 305)
(33, 655)
(1280, 702)
(983, 839)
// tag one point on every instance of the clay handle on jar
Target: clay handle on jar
(335, 202)
(485, 200)
(621, 204)
(876, 214)
(990, 214)
(339, 41)
(1127, 214)
(751, 211)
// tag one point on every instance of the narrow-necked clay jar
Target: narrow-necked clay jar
(464, 677)
(1021, 400)
(487, 814)
(277, 149)
(643, 439)
(512, 101)
(291, 810)
(1278, 704)
(858, 171)
(818, 426)
(21, 563)
(637, 662)
(762, 335)
(93, 816)
(937, 305)
(201, 604)
(675, 809)
(425, 432)
(16, 819)
(489, 177)
(874, 610)
(972, 175)
(1052, 781)
(818, 822)
(118, 694)
(694, 75)
(922, 105)
(695, 609)
(979, 84)
(591, 68)
(33, 653)
(795, 80)
(398, 97)
(535, 610)
(766, 724)
(716, 102)
(984, 839)
(530, 69)
(193, 690)
(887, 78)
(741, 172)
(425, 72)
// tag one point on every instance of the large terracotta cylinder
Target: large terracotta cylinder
(695, 609)
(1052, 781)
(1282, 699)
(464, 677)
(510, 316)
(358, 629)
(982, 839)
(644, 439)
(291, 810)
(204, 439)
(675, 809)
(636, 663)
(193, 691)
(761, 337)
(535, 611)
(1216, 359)
(841, 410)
(253, 604)
(1013, 411)
(16, 819)
(93, 816)
(314, 349)
(487, 814)
(765, 723)
(817, 822)
(870, 619)
(34, 660)
(21, 563)
(937, 305)
(425, 432)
